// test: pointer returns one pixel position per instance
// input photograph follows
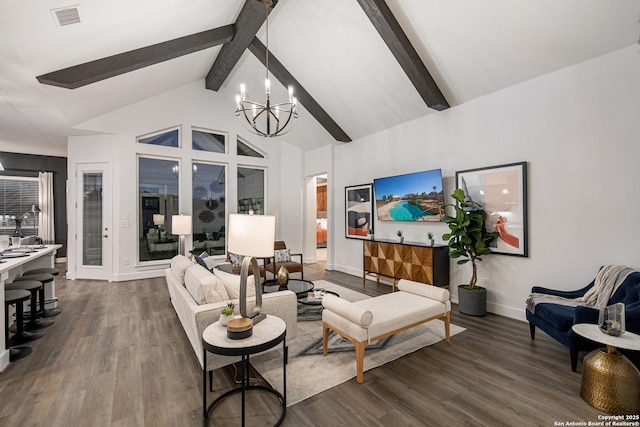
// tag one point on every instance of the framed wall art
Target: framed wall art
(502, 193)
(358, 210)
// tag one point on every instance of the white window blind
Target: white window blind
(16, 197)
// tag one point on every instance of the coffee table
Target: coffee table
(297, 286)
(301, 288)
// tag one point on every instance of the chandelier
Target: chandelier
(267, 119)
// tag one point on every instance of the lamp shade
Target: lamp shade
(181, 224)
(158, 219)
(252, 235)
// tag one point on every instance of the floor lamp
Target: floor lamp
(181, 225)
(251, 236)
(35, 210)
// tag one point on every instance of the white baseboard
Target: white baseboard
(4, 359)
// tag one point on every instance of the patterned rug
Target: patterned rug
(309, 373)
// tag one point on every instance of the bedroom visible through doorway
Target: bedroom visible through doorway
(321, 217)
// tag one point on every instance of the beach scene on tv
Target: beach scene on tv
(411, 197)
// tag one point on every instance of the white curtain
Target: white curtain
(45, 196)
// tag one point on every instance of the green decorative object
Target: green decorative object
(468, 240)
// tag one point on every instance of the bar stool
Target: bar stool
(35, 287)
(44, 279)
(17, 297)
(14, 297)
(45, 270)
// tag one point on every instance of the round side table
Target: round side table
(610, 382)
(266, 334)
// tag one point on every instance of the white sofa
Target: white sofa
(198, 296)
(375, 318)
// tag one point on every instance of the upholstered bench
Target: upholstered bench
(369, 320)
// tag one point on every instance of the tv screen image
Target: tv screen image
(410, 197)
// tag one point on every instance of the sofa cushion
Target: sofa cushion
(203, 286)
(206, 261)
(232, 283)
(282, 255)
(179, 264)
(559, 316)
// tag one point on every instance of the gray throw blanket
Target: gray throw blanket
(608, 279)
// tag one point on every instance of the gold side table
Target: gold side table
(610, 382)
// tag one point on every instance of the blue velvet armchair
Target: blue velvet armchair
(556, 320)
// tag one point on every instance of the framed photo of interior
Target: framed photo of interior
(502, 193)
(358, 201)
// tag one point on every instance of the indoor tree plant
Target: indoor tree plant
(469, 240)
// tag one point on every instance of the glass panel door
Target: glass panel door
(92, 218)
(93, 234)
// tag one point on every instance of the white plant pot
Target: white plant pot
(224, 319)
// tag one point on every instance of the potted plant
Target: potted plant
(227, 313)
(400, 236)
(430, 238)
(469, 240)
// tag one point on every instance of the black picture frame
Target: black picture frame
(502, 192)
(358, 201)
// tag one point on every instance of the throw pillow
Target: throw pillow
(236, 260)
(282, 255)
(200, 260)
(179, 264)
(203, 286)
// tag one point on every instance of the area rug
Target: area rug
(309, 373)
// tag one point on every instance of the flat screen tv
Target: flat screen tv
(411, 197)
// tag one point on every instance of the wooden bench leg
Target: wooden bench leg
(325, 338)
(360, 346)
(447, 327)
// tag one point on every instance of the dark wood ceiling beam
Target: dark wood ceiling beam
(111, 66)
(284, 76)
(249, 21)
(389, 29)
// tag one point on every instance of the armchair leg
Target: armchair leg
(532, 330)
(574, 359)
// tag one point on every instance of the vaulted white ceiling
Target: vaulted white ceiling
(471, 48)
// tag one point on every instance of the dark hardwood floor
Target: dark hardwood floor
(117, 356)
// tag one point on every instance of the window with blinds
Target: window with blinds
(17, 195)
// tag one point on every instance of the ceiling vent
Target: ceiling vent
(66, 15)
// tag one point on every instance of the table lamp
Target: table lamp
(251, 236)
(181, 225)
(158, 219)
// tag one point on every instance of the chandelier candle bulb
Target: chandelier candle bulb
(267, 86)
(242, 91)
(290, 93)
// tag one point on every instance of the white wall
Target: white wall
(187, 106)
(579, 131)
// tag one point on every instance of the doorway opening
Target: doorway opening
(321, 217)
